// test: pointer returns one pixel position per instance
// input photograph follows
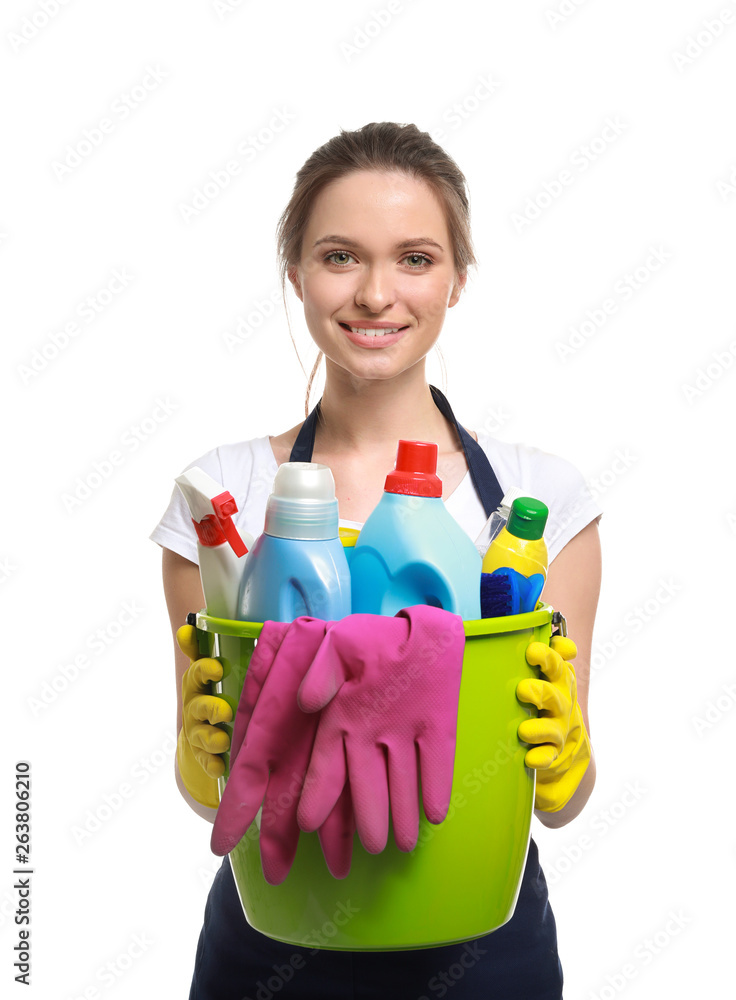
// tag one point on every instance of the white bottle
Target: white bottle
(497, 520)
(222, 551)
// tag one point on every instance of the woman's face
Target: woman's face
(377, 272)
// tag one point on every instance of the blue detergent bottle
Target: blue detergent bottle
(411, 550)
(298, 565)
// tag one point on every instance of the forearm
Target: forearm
(183, 590)
(573, 586)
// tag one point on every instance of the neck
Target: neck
(370, 415)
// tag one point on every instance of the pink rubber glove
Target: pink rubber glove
(387, 687)
(271, 743)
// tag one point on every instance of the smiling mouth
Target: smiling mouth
(372, 331)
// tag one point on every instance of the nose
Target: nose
(375, 290)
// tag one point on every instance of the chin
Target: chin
(378, 370)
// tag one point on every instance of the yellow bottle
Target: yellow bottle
(520, 546)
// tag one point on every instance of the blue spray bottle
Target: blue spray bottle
(298, 565)
(411, 550)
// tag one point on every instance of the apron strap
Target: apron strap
(484, 478)
(481, 472)
(304, 444)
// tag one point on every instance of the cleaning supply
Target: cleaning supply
(348, 537)
(518, 554)
(561, 751)
(272, 740)
(411, 550)
(497, 520)
(296, 576)
(297, 566)
(221, 548)
(462, 880)
(388, 718)
(500, 594)
(201, 742)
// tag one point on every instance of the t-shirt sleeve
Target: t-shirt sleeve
(561, 486)
(175, 530)
(553, 480)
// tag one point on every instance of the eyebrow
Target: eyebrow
(404, 245)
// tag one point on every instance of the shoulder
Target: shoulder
(550, 478)
(235, 464)
(281, 444)
(246, 469)
(520, 463)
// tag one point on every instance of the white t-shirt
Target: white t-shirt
(247, 470)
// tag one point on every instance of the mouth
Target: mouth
(373, 331)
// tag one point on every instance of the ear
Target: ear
(293, 276)
(457, 288)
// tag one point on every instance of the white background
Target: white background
(643, 405)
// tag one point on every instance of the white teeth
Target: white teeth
(373, 332)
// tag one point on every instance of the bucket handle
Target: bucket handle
(558, 619)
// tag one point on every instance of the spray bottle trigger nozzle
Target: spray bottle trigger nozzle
(224, 507)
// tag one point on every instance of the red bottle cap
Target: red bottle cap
(415, 472)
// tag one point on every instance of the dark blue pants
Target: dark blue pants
(517, 962)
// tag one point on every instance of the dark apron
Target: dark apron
(519, 961)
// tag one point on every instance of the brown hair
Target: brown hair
(377, 146)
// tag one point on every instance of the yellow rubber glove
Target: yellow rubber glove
(201, 741)
(562, 751)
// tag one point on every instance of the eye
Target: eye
(422, 258)
(338, 253)
(415, 261)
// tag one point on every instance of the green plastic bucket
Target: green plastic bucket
(463, 878)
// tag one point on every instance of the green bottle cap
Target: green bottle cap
(527, 518)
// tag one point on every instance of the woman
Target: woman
(376, 244)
